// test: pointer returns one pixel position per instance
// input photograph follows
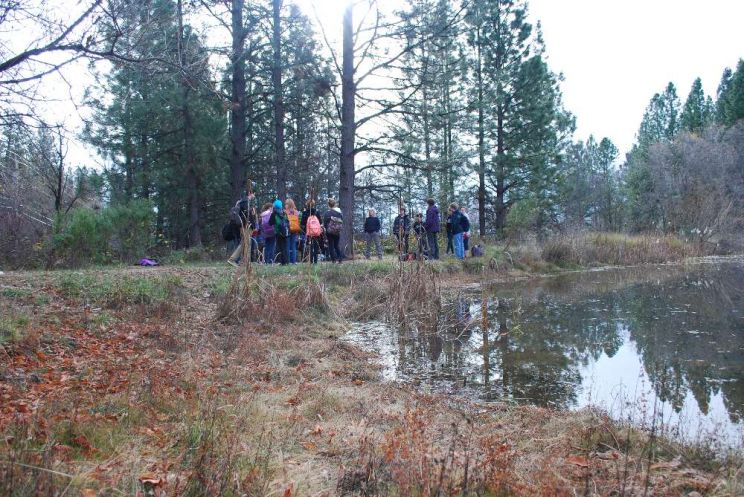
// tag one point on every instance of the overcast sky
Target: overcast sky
(616, 54)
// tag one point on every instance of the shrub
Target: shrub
(114, 234)
(521, 218)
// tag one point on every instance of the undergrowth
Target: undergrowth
(117, 290)
(617, 249)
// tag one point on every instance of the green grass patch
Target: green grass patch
(112, 290)
(15, 293)
(12, 328)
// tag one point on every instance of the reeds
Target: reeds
(263, 299)
(618, 249)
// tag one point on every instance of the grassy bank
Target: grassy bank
(113, 382)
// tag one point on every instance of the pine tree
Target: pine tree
(520, 124)
(661, 121)
(162, 126)
(730, 105)
(697, 112)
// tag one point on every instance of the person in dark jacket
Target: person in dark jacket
(401, 230)
(334, 250)
(419, 231)
(466, 232)
(372, 228)
(432, 229)
(448, 227)
(458, 228)
(248, 220)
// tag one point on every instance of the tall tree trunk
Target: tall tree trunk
(276, 78)
(146, 181)
(348, 130)
(238, 107)
(500, 172)
(192, 181)
(427, 147)
(481, 141)
(425, 117)
(128, 168)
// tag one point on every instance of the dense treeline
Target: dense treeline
(441, 99)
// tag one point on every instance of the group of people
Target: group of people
(280, 233)
(425, 229)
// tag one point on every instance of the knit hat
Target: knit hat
(278, 204)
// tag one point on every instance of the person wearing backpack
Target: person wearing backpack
(313, 230)
(280, 223)
(333, 221)
(268, 233)
(372, 228)
(295, 229)
(242, 216)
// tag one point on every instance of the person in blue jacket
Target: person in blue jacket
(460, 225)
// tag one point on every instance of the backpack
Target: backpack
(235, 217)
(334, 225)
(477, 251)
(227, 232)
(313, 227)
(294, 224)
(283, 226)
(267, 230)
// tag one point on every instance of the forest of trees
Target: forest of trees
(442, 98)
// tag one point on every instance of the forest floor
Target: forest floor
(125, 381)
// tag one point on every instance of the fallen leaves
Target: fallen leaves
(580, 461)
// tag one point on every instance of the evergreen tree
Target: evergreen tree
(697, 112)
(661, 120)
(730, 104)
(162, 126)
(520, 124)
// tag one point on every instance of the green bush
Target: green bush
(113, 234)
(521, 218)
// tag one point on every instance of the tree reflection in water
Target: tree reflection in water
(544, 342)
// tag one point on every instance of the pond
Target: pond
(667, 340)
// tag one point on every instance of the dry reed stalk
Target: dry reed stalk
(239, 292)
(414, 293)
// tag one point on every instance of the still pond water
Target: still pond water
(621, 339)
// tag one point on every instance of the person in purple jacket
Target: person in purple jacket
(432, 228)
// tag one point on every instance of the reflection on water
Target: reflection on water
(614, 338)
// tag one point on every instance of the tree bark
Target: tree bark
(192, 180)
(280, 165)
(500, 172)
(481, 141)
(348, 131)
(238, 107)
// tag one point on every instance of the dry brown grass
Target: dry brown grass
(591, 249)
